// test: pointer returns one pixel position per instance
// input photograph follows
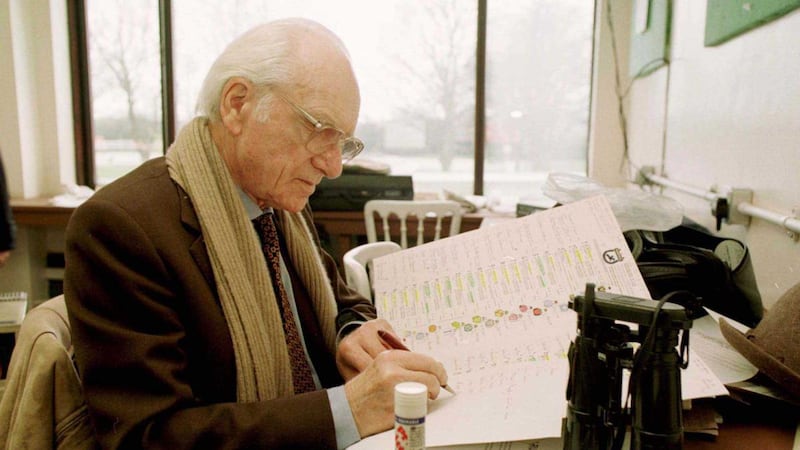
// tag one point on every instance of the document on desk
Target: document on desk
(492, 306)
(725, 361)
(13, 306)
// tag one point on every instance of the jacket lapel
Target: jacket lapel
(198, 247)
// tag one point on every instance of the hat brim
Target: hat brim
(785, 377)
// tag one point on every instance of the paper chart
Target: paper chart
(492, 306)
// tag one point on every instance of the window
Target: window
(425, 83)
(538, 77)
(125, 76)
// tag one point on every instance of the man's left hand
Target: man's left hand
(359, 348)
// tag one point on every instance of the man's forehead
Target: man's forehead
(326, 85)
(334, 107)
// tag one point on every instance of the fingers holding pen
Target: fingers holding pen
(372, 359)
(400, 365)
(361, 347)
(371, 393)
(393, 342)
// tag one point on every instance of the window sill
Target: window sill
(40, 212)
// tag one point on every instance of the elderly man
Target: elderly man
(204, 312)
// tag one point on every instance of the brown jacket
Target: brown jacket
(151, 341)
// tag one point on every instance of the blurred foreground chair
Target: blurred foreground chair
(43, 406)
(432, 210)
(358, 264)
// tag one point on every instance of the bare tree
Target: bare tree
(438, 64)
(121, 37)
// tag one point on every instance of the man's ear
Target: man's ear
(235, 102)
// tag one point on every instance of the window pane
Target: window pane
(538, 76)
(415, 61)
(124, 61)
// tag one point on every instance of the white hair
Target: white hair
(265, 55)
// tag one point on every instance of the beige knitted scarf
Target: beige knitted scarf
(243, 282)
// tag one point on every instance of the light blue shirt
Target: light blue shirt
(343, 421)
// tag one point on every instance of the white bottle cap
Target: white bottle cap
(410, 399)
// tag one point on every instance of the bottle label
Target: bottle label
(407, 421)
(409, 434)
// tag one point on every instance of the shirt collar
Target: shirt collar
(250, 206)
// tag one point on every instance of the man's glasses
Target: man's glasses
(324, 136)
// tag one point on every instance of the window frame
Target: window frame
(83, 123)
(81, 87)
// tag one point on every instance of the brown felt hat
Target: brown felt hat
(773, 346)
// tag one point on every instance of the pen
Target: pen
(394, 343)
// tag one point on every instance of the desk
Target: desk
(739, 436)
(343, 229)
(10, 328)
(770, 426)
(39, 212)
(744, 428)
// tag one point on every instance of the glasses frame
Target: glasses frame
(349, 146)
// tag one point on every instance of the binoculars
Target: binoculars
(605, 344)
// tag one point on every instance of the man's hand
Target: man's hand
(359, 348)
(371, 393)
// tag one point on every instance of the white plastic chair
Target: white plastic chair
(358, 264)
(436, 209)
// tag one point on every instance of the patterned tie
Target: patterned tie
(302, 377)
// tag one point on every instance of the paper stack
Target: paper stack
(13, 306)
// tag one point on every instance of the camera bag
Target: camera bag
(688, 257)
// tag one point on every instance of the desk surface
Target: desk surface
(344, 229)
(759, 425)
(39, 212)
(9, 328)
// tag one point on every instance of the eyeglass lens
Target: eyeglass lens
(323, 138)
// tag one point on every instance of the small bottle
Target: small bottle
(410, 408)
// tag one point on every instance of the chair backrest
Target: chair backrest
(433, 210)
(358, 264)
(43, 405)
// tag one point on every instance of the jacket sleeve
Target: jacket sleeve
(152, 346)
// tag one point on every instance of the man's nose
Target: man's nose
(329, 162)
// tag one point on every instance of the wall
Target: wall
(724, 116)
(36, 140)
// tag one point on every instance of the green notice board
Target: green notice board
(726, 19)
(649, 45)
